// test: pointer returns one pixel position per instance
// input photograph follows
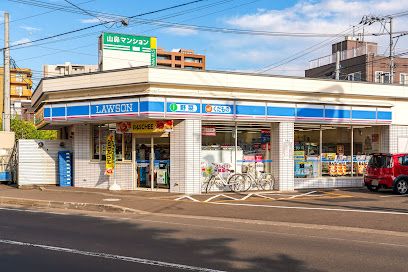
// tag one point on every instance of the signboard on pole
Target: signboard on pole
(118, 51)
(110, 154)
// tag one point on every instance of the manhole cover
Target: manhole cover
(111, 199)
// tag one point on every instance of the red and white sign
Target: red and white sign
(208, 131)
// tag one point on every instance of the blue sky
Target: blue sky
(224, 51)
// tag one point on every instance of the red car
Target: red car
(388, 171)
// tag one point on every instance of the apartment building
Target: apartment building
(20, 88)
(68, 68)
(180, 58)
(359, 61)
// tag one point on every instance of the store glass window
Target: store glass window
(95, 143)
(307, 151)
(123, 143)
(127, 146)
(218, 147)
(336, 151)
(367, 140)
(253, 151)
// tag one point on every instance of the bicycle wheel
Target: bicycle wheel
(267, 181)
(209, 183)
(237, 182)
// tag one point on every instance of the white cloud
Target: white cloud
(26, 41)
(325, 16)
(95, 20)
(181, 31)
(30, 28)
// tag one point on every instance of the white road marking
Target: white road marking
(188, 197)
(111, 256)
(111, 199)
(394, 195)
(310, 208)
(305, 194)
(220, 195)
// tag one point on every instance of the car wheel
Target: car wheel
(401, 187)
(373, 188)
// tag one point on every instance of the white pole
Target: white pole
(6, 110)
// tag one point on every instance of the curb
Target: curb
(66, 205)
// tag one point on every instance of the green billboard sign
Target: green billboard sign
(131, 43)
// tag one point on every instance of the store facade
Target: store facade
(173, 127)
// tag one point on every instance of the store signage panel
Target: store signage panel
(217, 109)
(314, 112)
(250, 109)
(151, 126)
(384, 115)
(119, 108)
(148, 106)
(337, 113)
(58, 112)
(183, 108)
(195, 107)
(78, 110)
(274, 111)
(366, 114)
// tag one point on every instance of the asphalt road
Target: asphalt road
(38, 241)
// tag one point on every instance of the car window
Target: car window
(380, 161)
(403, 160)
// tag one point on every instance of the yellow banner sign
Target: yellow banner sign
(110, 154)
(151, 126)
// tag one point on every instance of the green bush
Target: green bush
(26, 130)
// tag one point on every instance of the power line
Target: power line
(99, 24)
(39, 14)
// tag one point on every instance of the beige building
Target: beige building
(174, 126)
(68, 68)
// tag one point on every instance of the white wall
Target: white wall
(39, 165)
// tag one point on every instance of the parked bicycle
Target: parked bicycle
(258, 179)
(235, 182)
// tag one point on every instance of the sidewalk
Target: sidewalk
(164, 203)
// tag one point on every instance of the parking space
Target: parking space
(337, 200)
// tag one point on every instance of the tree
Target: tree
(26, 130)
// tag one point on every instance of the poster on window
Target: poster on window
(110, 154)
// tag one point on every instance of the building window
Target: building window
(334, 150)
(19, 78)
(404, 79)
(190, 59)
(382, 77)
(19, 90)
(123, 143)
(354, 76)
(163, 57)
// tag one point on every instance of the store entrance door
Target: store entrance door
(152, 162)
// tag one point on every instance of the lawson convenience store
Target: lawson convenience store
(172, 127)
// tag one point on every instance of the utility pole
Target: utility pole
(391, 53)
(337, 65)
(6, 74)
